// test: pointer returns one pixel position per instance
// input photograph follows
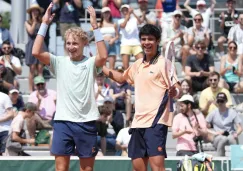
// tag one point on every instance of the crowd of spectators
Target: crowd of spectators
(205, 105)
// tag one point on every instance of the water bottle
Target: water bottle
(69, 7)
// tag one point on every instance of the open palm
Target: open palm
(92, 13)
(48, 17)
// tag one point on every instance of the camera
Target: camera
(196, 139)
(226, 133)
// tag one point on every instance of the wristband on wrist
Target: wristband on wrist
(43, 29)
(98, 36)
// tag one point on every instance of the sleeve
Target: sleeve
(209, 118)
(53, 63)
(97, 70)
(202, 100)
(119, 136)
(202, 122)
(8, 103)
(231, 33)
(211, 61)
(209, 11)
(103, 130)
(176, 123)
(33, 98)
(152, 17)
(229, 102)
(17, 124)
(237, 119)
(188, 61)
(129, 74)
(16, 62)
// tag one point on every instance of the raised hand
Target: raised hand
(92, 14)
(48, 17)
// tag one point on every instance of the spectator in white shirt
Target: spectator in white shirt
(236, 34)
(201, 8)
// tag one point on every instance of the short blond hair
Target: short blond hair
(77, 32)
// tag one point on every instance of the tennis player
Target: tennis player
(74, 126)
(152, 111)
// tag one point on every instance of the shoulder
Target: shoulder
(205, 91)
(179, 116)
(4, 96)
(224, 90)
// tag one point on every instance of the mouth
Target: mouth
(147, 48)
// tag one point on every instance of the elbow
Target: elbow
(35, 53)
(15, 137)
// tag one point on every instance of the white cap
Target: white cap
(177, 12)
(201, 2)
(186, 97)
(108, 99)
(125, 6)
(105, 9)
(13, 91)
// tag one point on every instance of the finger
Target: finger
(49, 8)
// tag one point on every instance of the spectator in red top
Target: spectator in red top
(114, 5)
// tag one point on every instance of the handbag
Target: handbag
(13, 145)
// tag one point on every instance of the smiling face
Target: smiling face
(149, 45)
(124, 11)
(6, 48)
(198, 20)
(106, 15)
(74, 47)
(185, 87)
(232, 48)
(200, 48)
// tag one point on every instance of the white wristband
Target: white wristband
(98, 36)
(43, 29)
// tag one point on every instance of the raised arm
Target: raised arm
(104, 3)
(37, 50)
(102, 54)
(118, 3)
(213, 3)
(114, 75)
(186, 5)
(78, 3)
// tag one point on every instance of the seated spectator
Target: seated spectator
(17, 100)
(227, 20)
(5, 84)
(198, 67)
(178, 34)
(201, 8)
(45, 99)
(12, 63)
(121, 94)
(224, 120)
(102, 126)
(207, 101)
(236, 34)
(123, 138)
(110, 34)
(114, 5)
(231, 69)
(101, 89)
(5, 34)
(198, 32)
(17, 128)
(187, 128)
(130, 44)
(146, 16)
(6, 116)
(186, 87)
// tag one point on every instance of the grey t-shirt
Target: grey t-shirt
(75, 89)
(224, 121)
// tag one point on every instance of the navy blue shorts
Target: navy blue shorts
(71, 138)
(147, 142)
(3, 140)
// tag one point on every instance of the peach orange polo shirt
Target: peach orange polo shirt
(150, 85)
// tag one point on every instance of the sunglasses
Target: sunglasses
(213, 80)
(220, 101)
(40, 84)
(197, 20)
(232, 47)
(177, 16)
(200, 47)
(6, 48)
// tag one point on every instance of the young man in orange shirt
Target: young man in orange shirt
(152, 109)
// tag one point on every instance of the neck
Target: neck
(77, 58)
(14, 101)
(200, 56)
(223, 108)
(232, 55)
(214, 89)
(189, 113)
(150, 57)
(176, 25)
(198, 27)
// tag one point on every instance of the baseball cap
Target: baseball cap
(125, 6)
(186, 97)
(177, 12)
(39, 79)
(105, 9)
(221, 96)
(201, 2)
(142, 1)
(108, 99)
(13, 90)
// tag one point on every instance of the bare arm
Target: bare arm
(114, 75)
(223, 70)
(103, 145)
(104, 3)
(140, 21)
(176, 134)
(189, 73)
(239, 71)
(119, 146)
(186, 5)
(37, 50)
(78, 3)
(190, 40)
(17, 70)
(17, 138)
(8, 116)
(118, 3)
(30, 28)
(213, 3)
(238, 129)
(128, 104)
(123, 25)
(102, 54)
